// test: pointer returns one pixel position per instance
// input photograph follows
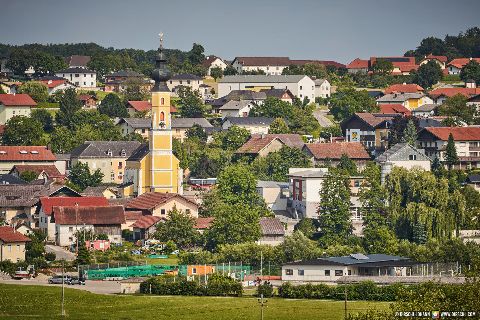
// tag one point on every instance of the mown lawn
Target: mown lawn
(37, 302)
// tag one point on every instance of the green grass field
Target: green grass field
(36, 302)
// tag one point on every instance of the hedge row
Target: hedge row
(217, 285)
(361, 291)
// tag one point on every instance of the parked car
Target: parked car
(58, 279)
(76, 280)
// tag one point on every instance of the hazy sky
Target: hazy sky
(302, 29)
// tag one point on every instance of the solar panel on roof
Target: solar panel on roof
(359, 256)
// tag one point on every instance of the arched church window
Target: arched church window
(162, 116)
(162, 101)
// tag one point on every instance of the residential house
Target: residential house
(108, 156)
(63, 162)
(80, 77)
(24, 229)
(473, 180)
(107, 192)
(181, 125)
(467, 142)
(255, 125)
(322, 88)
(300, 86)
(274, 193)
(100, 220)
(404, 88)
(237, 95)
(273, 231)
(45, 172)
(395, 108)
(12, 245)
(88, 101)
(211, 62)
(145, 227)
(135, 125)
(371, 129)
(439, 95)
(474, 101)
(282, 94)
(263, 144)
(425, 111)
(11, 179)
(326, 63)
(10, 87)
(77, 61)
(130, 218)
(269, 65)
(24, 155)
(18, 202)
(46, 205)
(12, 105)
(321, 153)
(159, 204)
(235, 108)
(133, 107)
(354, 266)
(410, 101)
(402, 155)
(456, 65)
(191, 81)
(118, 81)
(440, 60)
(358, 66)
(203, 223)
(56, 84)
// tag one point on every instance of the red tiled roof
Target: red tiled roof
(146, 222)
(85, 97)
(394, 108)
(461, 62)
(209, 60)
(89, 215)
(26, 153)
(450, 92)
(358, 64)
(404, 88)
(8, 234)
(146, 106)
(257, 142)
(50, 170)
(47, 203)
(271, 226)
(53, 83)
(133, 215)
(439, 58)
(151, 200)
(20, 99)
(458, 133)
(354, 150)
(373, 119)
(263, 61)
(406, 67)
(204, 222)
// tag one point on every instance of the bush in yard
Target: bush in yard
(266, 289)
(219, 285)
(50, 256)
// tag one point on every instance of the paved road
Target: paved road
(321, 116)
(101, 287)
(60, 252)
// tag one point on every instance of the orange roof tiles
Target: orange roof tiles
(458, 133)
(151, 200)
(450, 92)
(26, 153)
(204, 222)
(47, 203)
(404, 88)
(146, 222)
(8, 234)
(358, 64)
(20, 99)
(461, 62)
(93, 215)
(394, 108)
(50, 170)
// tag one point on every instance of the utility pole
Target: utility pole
(346, 313)
(63, 288)
(76, 227)
(262, 304)
(261, 265)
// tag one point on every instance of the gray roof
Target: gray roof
(235, 105)
(10, 179)
(319, 82)
(189, 122)
(250, 121)
(137, 123)
(262, 78)
(426, 108)
(400, 97)
(185, 76)
(271, 184)
(473, 178)
(401, 152)
(309, 173)
(27, 195)
(97, 191)
(357, 259)
(100, 149)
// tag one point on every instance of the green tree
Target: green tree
(135, 90)
(37, 90)
(190, 103)
(410, 133)
(307, 226)
(238, 184)
(428, 74)
(196, 54)
(83, 256)
(278, 126)
(23, 131)
(347, 164)
(44, 117)
(380, 240)
(457, 108)
(451, 157)
(36, 247)
(112, 106)
(81, 177)
(233, 138)
(373, 198)
(345, 102)
(28, 176)
(471, 71)
(216, 73)
(69, 105)
(298, 247)
(196, 131)
(62, 140)
(179, 228)
(334, 208)
(382, 66)
(230, 71)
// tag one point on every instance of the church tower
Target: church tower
(165, 174)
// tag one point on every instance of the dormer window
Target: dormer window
(109, 153)
(123, 153)
(23, 152)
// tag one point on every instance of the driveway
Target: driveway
(60, 252)
(321, 116)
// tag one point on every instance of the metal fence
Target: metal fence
(437, 269)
